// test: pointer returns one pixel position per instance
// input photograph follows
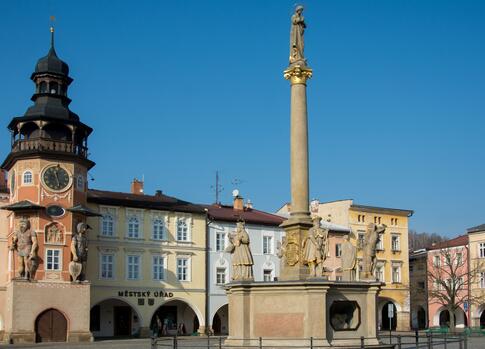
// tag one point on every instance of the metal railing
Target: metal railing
(48, 144)
(407, 340)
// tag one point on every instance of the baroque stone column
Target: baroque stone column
(297, 226)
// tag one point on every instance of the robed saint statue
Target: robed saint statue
(296, 37)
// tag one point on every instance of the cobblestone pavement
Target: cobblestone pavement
(201, 343)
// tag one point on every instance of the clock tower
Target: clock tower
(47, 171)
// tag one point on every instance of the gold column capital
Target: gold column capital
(298, 74)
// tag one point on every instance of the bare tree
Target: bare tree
(422, 240)
(450, 278)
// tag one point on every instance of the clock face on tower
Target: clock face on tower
(56, 178)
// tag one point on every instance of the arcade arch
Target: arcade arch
(113, 317)
(220, 321)
(176, 317)
(442, 318)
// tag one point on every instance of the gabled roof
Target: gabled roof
(227, 213)
(461, 240)
(480, 227)
(153, 202)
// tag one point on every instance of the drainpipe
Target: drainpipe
(468, 283)
(207, 271)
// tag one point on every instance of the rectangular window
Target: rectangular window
(267, 244)
(107, 263)
(158, 267)
(395, 246)
(133, 267)
(133, 227)
(338, 250)
(183, 269)
(361, 239)
(107, 225)
(182, 230)
(396, 274)
(220, 241)
(380, 273)
(436, 261)
(481, 250)
(459, 258)
(380, 242)
(220, 276)
(482, 279)
(158, 229)
(53, 259)
(267, 275)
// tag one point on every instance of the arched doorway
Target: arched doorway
(445, 318)
(51, 326)
(421, 315)
(388, 323)
(220, 322)
(114, 318)
(482, 319)
(460, 318)
(174, 317)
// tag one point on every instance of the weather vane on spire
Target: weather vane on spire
(52, 19)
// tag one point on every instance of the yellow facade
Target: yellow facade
(389, 260)
(145, 294)
(476, 238)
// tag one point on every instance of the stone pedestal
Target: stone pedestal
(25, 301)
(292, 312)
(296, 231)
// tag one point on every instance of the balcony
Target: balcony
(49, 145)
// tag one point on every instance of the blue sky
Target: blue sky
(176, 90)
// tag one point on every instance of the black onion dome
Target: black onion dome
(52, 64)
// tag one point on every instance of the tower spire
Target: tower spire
(52, 18)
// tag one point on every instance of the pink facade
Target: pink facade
(448, 264)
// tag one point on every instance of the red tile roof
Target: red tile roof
(154, 202)
(249, 215)
(461, 240)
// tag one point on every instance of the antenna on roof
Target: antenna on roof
(218, 188)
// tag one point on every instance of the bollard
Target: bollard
(220, 342)
(208, 341)
(399, 342)
(362, 342)
(175, 342)
(311, 342)
(260, 342)
(428, 337)
(465, 343)
(417, 338)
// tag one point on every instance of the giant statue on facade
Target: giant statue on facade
(370, 247)
(79, 250)
(242, 259)
(349, 259)
(25, 243)
(297, 43)
(315, 247)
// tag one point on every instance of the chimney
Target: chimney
(158, 193)
(137, 187)
(238, 200)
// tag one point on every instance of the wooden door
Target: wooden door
(122, 321)
(51, 326)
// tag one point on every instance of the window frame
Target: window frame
(59, 259)
(218, 273)
(187, 222)
(187, 268)
(271, 274)
(28, 171)
(221, 236)
(130, 225)
(101, 263)
(80, 183)
(399, 269)
(338, 250)
(138, 265)
(268, 246)
(158, 223)
(395, 238)
(161, 267)
(481, 250)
